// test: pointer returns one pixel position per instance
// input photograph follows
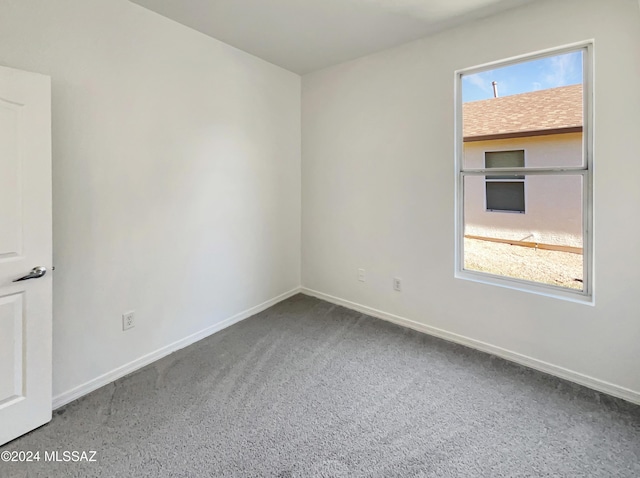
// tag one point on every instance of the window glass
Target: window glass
(504, 159)
(544, 245)
(529, 99)
(528, 221)
(505, 196)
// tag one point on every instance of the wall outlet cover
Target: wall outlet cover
(397, 283)
(128, 320)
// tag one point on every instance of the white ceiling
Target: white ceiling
(306, 35)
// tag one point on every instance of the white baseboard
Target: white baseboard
(576, 377)
(102, 380)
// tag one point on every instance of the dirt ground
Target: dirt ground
(549, 267)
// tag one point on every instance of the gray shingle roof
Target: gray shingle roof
(526, 114)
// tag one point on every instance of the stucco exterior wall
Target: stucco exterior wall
(553, 205)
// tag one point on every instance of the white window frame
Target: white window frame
(586, 295)
(522, 180)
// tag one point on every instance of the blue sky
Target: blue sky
(549, 72)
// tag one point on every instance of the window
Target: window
(524, 173)
(504, 193)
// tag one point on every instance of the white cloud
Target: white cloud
(561, 69)
(481, 80)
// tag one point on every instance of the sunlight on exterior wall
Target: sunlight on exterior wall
(553, 205)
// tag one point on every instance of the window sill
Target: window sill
(545, 290)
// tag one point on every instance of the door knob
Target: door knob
(35, 273)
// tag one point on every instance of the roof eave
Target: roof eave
(523, 134)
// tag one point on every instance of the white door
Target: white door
(25, 243)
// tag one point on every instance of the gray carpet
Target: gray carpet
(307, 388)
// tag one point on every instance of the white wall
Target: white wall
(176, 179)
(378, 191)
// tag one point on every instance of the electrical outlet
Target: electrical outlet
(397, 283)
(128, 320)
(362, 275)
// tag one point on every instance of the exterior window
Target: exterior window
(504, 193)
(524, 221)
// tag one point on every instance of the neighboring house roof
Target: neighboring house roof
(550, 111)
